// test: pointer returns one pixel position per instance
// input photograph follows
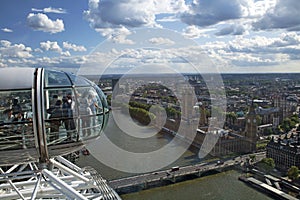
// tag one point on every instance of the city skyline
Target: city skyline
(238, 36)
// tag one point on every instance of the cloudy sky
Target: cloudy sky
(236, 35)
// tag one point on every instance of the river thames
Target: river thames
(223, 185)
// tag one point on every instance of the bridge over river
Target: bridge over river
(153, 179)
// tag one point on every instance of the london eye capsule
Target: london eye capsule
(46, 113)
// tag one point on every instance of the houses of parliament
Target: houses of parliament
(228, 142)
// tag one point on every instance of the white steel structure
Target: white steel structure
(63, 181)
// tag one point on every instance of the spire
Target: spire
(252, 108)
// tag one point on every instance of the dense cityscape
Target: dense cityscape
(262, 116)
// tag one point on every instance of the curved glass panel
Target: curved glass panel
(89, 106)
(105, 109)
(74, 113)
(61, 116)
(96, 107)
(56, 78)
(78, 80)
(16, 131)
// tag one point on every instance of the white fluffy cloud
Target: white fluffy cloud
(118, 35)
(66, 53)
(233, 29)
(115, 14)
(255, 51)
(19, 55)
(254, 8)
(50, 10)
(209, 12)
(285, 15)
(73, 47)
(7, 30)
(288, 39)
(107, 14)
(8, 50)
(41, 22)
(195, 32)
(236, 16)
(161, 41)
(5, 43)
(50, 46)
(112, 18)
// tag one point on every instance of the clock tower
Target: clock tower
(251, 130)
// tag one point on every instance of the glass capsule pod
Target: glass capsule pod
(46, 113)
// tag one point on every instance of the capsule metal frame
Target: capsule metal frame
(34, 138)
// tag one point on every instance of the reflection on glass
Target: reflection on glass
(16, 130)
(60, 115)
(78, 81)
(56, 78)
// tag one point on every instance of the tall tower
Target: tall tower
(251, 130)
(189, 118)
(115, 84)
(203, 118)
(188, 104)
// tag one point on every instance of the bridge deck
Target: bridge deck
(166, 175)
(172, 175)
